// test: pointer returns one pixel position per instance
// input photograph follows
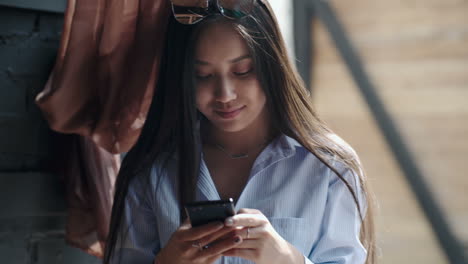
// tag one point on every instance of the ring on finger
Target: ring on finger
(197, 244)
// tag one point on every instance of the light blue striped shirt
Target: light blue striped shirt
(305, 201)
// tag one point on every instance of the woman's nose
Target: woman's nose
(225, 91)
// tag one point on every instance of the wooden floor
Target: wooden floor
(416, 53)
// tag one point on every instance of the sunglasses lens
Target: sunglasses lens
(189, 11)
(235, 8)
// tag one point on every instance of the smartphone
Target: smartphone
(201, 213)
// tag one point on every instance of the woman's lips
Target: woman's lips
(229, 114)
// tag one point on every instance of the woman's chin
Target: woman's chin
(230, 127)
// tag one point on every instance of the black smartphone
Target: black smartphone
(204, 212)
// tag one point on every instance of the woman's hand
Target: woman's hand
(193, 245)
(261, 243)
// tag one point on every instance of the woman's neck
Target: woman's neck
(239, 142)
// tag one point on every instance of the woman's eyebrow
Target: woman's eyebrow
(243, 57)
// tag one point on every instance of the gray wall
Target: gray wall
(32, 205)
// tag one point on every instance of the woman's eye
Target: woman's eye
(243, 73)
(203, 76)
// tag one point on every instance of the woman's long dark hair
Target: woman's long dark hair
(172, 118)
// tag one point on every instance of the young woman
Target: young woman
(232, 118)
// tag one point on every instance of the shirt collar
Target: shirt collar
(280, 148)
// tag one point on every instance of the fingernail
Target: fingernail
(229, 222)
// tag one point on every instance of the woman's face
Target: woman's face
(228, 92)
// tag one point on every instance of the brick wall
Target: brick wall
(32, 206)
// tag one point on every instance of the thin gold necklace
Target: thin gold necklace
(241, 155)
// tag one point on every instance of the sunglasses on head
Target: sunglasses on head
(193, 11)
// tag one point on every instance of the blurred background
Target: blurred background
(404, 90)
(390, 77)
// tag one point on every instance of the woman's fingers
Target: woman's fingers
(251, 232)
(218, 235)
(246, 220)
(255, 232)
(221, 246)
(249, 244)
(196, 233)
(185, 225)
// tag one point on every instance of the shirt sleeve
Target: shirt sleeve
(138, 241)
(339, 241)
